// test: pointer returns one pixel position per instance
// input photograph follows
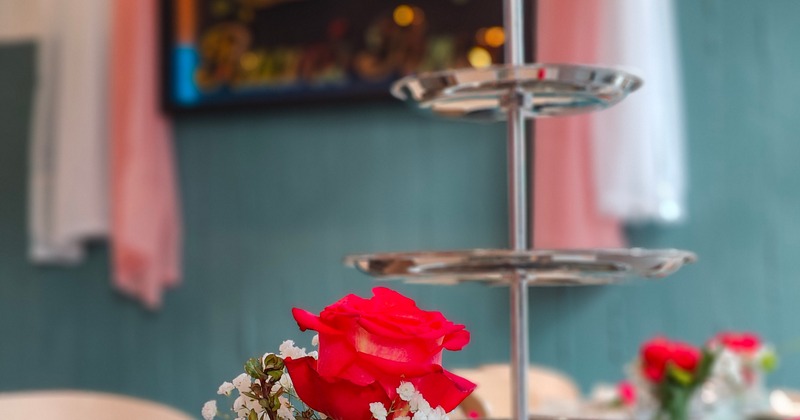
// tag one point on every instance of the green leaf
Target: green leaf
(681, 376)
(253, 368)
(769, 361)
(706, 364)
(674, 400)
(275, 375)
(678, 407)
(273, 362)
(275, 403)
(253, 415)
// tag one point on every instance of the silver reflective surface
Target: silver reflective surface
(537, 89)
(541, 267)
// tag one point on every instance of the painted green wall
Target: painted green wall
(273, 200)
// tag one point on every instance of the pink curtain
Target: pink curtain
(566, 210)
(145, 216)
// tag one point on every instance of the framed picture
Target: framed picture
(233, 53)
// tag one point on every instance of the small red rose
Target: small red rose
(659, 353)
(742, 343)
(627, 393)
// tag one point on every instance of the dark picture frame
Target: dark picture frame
(227, 54)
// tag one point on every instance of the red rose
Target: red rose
(685, 356)
(655, 355)
(627, 393)
(743, 343)
(381, 341)
(658, 353)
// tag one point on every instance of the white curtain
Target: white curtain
(68, 194)
(639, 144)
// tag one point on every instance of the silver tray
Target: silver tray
(540, 267)
(537, 89)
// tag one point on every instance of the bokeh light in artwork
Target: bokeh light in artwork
(494, 36)
(249, 61)
(403, 15)
(478, 57)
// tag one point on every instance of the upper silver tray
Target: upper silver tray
(538, 89)
(541, 267)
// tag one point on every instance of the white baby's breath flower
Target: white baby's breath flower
(604, 394)
(242, 382)
(438, 414)
(252, 404)
(314, 354)
(406, 391)
(239, 408)
(422, 415)
(275, 388)
(225, 388)
(286, 381)
(285, 412)
(243, 405)
(728, 367)
(209, 410)
(418, 403)
(427, 413)
(402, 418)
(289, 350)
(378, 411)
(322, 416)
(315, 340)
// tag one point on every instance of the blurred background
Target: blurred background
(272, 198)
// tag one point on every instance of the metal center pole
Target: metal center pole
(518, 213)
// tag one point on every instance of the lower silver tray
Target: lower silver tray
(541, 267)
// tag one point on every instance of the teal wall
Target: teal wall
(272, 200)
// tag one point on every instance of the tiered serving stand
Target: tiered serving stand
(514, 93)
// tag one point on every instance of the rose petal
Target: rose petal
(457, 340)
(308, 321)
(338, 399)
(443, 389)
(377, 327)
(397, 368)
(389, 373)
(388, 297)
(400, 349)
(336, 354)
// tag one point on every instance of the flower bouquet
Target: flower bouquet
(737, 380)
(721, 380)
(669, 373)
(377, 358)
